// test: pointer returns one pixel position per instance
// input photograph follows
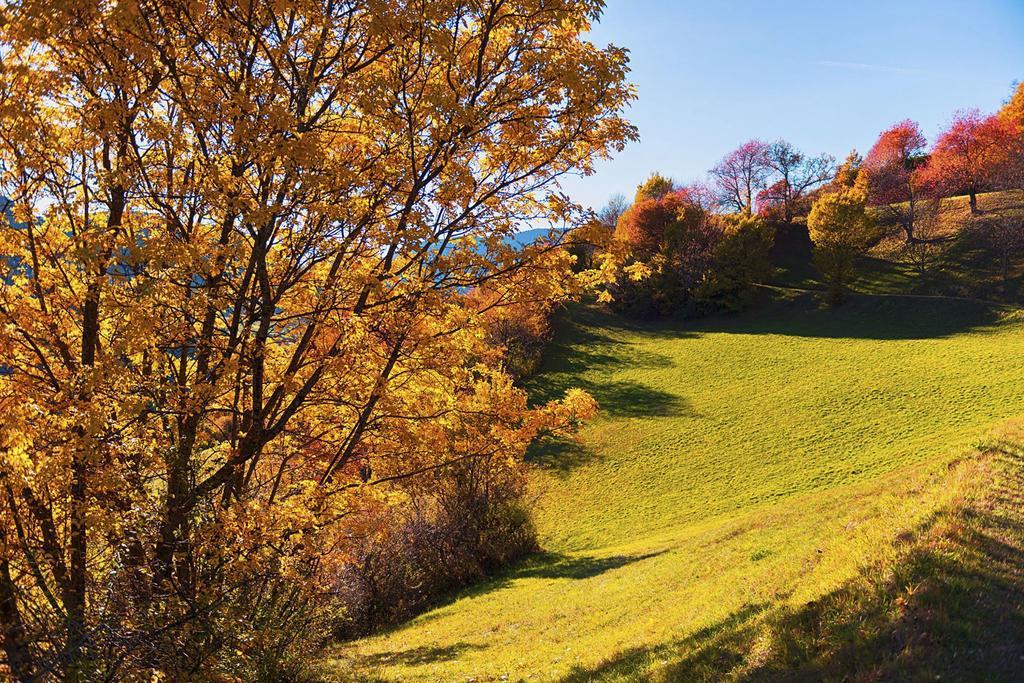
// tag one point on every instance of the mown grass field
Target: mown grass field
(752, 498)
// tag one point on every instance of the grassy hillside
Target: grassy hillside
(719, 514)
(965, 266)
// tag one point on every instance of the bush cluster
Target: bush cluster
(454, 529)
(698, 261)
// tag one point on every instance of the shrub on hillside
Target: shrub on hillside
(455, 528)
(676, 238)
(742, 259)
(699, 262)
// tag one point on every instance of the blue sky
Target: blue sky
(827, 76)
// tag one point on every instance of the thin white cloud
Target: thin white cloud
(860, 66)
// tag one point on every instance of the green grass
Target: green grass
(742, 474)
(716, 416)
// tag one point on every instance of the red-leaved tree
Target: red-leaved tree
(894, 175)
(971, 156)
(643, 226)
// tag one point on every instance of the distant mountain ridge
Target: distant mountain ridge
(528, 237)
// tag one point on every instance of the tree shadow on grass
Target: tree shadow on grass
(582, 346)
(616, 399)
(584, 349)
(951, 608)
(560, 455)
(633, 399)
(947, 612)
(863, 316)
(585, 339)
(625, 398)
(415, 656)
(557, 566)
(585, 345)
(540, 565)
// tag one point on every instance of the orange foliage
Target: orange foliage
(972, 155)
(232, 307)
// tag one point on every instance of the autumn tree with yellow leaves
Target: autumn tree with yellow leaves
(842, 229)
(232, 309)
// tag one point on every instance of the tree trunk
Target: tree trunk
(173, 530)
(19, 659)
(974, 202)
(76, 594)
